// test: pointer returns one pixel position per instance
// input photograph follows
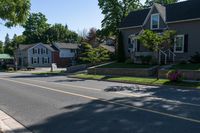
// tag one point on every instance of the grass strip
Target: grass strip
(139, 80)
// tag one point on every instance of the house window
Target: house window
(155, 18)
(45, 60)
(72, 50)
(35, 60)
(132, 43)
(34, 51)
(179, 44)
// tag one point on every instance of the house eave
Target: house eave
(131, 27)
(182, 21)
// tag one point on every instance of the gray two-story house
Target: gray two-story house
(183, 17)
(34, 55)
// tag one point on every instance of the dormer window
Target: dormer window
(155, 18)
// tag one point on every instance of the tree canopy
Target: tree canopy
(114, 12)
(149, 3)
(14, 12)
(35, 27)
(154, 41)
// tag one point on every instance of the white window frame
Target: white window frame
(177, 36)
(35, 59)
(133, 37)
(152, 15)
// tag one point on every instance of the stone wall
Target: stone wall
(137, 72)
(187, 74)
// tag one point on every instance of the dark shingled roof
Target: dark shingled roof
(135, 18)
(174, 12)
(183, 10)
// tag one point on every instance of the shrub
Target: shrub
(146, 59)
(129, 61)
(183, 62)
(174, 76)
(195, 58)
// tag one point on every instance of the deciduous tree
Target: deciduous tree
(35, 27)
(149, 3)
(14, 12)
(114, 12)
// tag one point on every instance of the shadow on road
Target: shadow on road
(170, 93)
(102, 117)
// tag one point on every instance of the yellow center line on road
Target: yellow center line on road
(107, 101)
(121, 93)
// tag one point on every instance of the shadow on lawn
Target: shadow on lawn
(101, 117)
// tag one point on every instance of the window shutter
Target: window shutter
(42, 60)
(172, 45)
(33, 50)
(46, 51)
(138, 45)
(32, 60)
(186, 43)
(48, 59)
(129, 40)
(38, 60)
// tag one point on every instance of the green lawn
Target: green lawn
(125, 65)
(49, 73)
(138, 80)
(189, 66)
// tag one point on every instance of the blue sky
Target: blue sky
(77, 14)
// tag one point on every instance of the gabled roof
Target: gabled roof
(66, 45)
(180, 11)
(24, 47)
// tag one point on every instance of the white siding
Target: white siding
(67, 53)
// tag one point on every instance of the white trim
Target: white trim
(147, 17)
(133, 37)
(183, 36)
(186, 20)
(151, 24)
(140, 26)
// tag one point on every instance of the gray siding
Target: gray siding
(40, 56)
(126, 33)
(192, 29)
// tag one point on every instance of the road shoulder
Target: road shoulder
(10, 125)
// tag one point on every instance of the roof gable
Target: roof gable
(160, 9)
(181, 11)
(25, 47)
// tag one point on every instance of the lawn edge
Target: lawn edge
(127, 82)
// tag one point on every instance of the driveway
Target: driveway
(66, 105)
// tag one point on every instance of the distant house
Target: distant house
(43, 55)
(183, 17)
(66, 53)
(34, 55)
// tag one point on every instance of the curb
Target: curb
(9, 125)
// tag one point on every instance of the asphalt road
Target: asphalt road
(66, 105)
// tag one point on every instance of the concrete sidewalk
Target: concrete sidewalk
(9, 125)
